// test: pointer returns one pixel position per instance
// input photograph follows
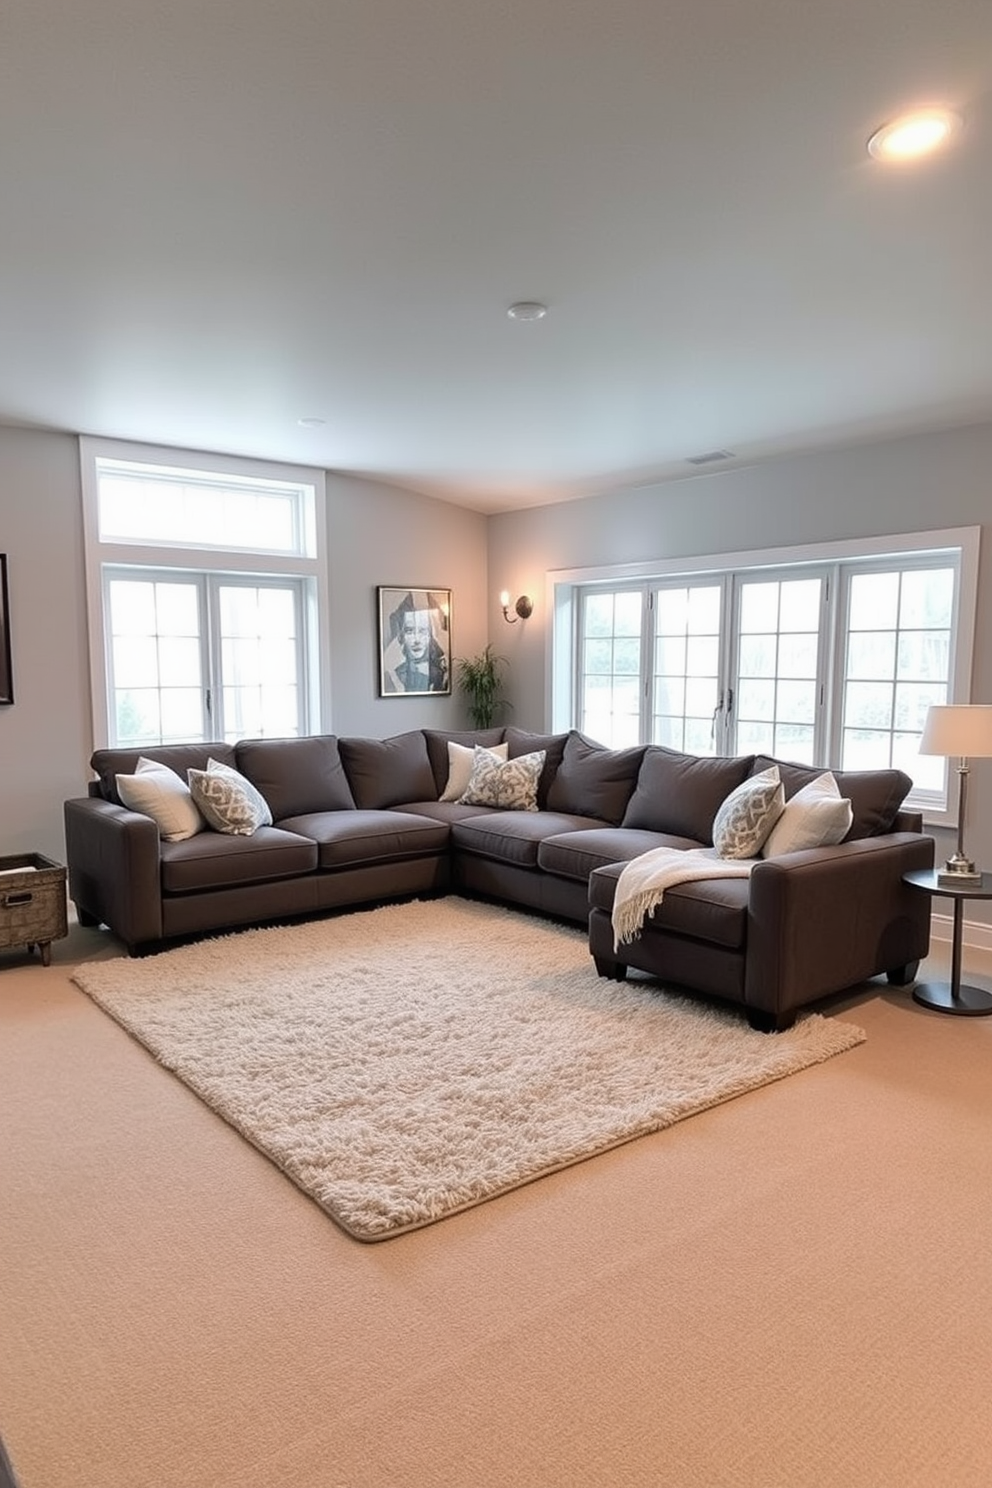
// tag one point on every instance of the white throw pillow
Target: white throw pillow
(748, 814)
(460, 760)
(229, 802)
(160, 793)
(509, 784)
(816, 816)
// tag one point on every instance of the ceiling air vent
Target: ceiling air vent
(709, 457)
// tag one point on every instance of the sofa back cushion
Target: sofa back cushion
(388, 772)
(594, 781)
(875, 795)
(522, 741)
(680, 794)
(107, 764)
(296, 776)
(437, 748)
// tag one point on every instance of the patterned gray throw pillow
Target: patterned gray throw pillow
(508, 784)
(748, 814)
(228, 800)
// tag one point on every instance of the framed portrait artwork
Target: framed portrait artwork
(414, 641)
(6, 673)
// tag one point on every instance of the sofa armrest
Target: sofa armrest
(823, 920)
(112, 857)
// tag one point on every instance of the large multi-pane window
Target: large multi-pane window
(203, 590)
(826, 663)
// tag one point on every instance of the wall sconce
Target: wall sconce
(523, 606)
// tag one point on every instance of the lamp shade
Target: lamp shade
(958, 729)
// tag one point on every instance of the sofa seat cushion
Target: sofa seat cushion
(514, 836)
(576, 854)
(444, 811)
(218, 860)
(353, 839)
(709, 909)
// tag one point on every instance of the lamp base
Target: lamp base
(958, 872)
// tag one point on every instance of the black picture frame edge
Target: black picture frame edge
(383, 641)
(6, 661)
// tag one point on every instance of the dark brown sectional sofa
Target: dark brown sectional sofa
(358, 821)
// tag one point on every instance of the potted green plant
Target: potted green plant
(481, 679)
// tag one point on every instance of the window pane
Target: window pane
(155, 648)
(797, 655)
(800, 605)
(171, 507)
(182, 716)
(627, 657)
(756, 700)
(897, 664)
(757, 656)
(796, 702)
(754, 737)
(794, 743)
(137, 716)
(759, 607)
(627, 621)
(863, 750)
(870, 654)
(598, 657)
(670, 656)
(874, 601)
(927, 598)
(869, 705)
(778, 651)
(687, 665)
(610, 686)
(669, 695)
(135, 660)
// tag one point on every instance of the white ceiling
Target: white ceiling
(218, 217)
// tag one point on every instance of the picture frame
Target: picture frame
(414, 641)
(6, 669)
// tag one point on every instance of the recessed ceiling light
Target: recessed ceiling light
(527, 310)
(914, 135)
(311, 423)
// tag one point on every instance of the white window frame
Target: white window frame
(960, 544)
(243, 562)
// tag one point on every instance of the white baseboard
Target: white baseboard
(974, 933)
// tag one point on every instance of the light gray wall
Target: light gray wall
(378, 535)
(911, 484)
(382, 535)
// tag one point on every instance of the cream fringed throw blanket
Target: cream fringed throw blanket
(642, 884)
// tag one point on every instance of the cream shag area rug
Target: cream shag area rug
(403, 1063)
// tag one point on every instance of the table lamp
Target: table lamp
(963, 730)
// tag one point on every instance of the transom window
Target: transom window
(204, 590)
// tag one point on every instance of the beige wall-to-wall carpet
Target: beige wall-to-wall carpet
(789, 1290)
(404, 1063)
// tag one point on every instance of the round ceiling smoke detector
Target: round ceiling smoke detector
(527, 310)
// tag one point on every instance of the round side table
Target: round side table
(952, 997)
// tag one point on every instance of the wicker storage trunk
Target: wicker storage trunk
(32, 903)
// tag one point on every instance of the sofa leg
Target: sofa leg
(901, 976)
(764, 1022)
(615, 970)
